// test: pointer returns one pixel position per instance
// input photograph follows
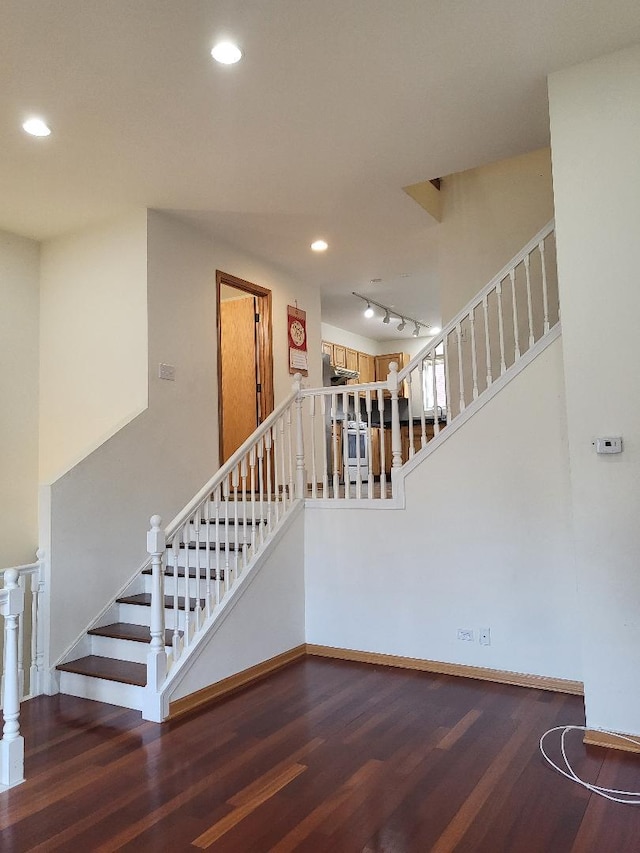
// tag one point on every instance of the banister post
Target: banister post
(396, 438)
(301, 477)
(12, 744)
(157, 656)
(40, 638)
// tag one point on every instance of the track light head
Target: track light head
(386, 319)
(416, 331)
(401, 324)
(368, 311)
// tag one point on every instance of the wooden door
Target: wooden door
(239, 384)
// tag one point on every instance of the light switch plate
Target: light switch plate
(166, 371)
(609, 445)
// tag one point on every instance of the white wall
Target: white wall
(484, 541)
(19, 298)
(267, 621)
(488, 215)
(335, 335)
(595, 134)
(100, 509)
(93, 339)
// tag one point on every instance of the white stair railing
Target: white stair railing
(12, 743)
(212, 543)
(359, 434)
(30, 643)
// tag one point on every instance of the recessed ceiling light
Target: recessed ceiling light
(319, 246)
(375, 280)
(226, 53)
(368, 311)
(36, 127)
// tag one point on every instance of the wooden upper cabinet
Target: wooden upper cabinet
(352, 359)
(339, 355)
(366, 367)
(327, 349)
(382, 363)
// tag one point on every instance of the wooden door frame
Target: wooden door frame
(264, 344)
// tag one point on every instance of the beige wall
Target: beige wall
(93, 339)
(488, 215)
(595, 135)
(100, 508)
(19, 263)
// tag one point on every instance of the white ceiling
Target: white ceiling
(336, 105)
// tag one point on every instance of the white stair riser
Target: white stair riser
(136, 614)
(110, 647)
(200, 559)
(102, 690)
(197, 589)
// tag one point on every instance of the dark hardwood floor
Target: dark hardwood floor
(322, 756)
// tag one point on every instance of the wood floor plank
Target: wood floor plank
(321, 757)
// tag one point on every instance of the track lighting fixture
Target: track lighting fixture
(389, 312)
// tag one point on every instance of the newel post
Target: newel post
(396, 438)
(12, 744)
(157, 656)
(301, 477)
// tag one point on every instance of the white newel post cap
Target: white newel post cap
(392, 379)
(14, 603)
(297, 381)
(155, 536)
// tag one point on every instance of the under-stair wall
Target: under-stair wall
(484, 542)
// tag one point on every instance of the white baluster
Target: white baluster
(335, 434)
(261, 487)
(423, 423)
(356, 410)
(326, 440)
(290, 452)
(176, 644)
(314, 475)
(235, 474)
(216, 536)
(197, 618)
(245, 544)
(40, 554)
(268, 444)
(447, 382)
(12, 744)
(367, 398)
(396, 437)
(300, 469)
(434, 392)
(545, 294)
(252, 469)
(487, 341)
(460, 372)
(227, 568)
(345, 444)
(22, 585)
(156, 656)
(188, 626)
(514, 307)
(206, 512)
(412, 449)
(527, 270)
(383, 461)
(278, 444)
(474, 355)
(503, 365)
(33, 639)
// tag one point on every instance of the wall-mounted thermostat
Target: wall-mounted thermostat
(608, 445)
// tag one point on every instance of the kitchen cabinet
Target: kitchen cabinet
(339, 355)
(382, 363)
(366, 368)
(327, 349)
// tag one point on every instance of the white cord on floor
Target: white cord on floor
(596, 789)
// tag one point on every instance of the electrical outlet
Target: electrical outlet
(485, 636)
(465, 634)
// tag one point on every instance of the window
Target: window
(440, 382)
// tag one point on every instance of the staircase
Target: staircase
(345, 446)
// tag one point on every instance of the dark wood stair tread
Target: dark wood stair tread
(241, 521)
(170, 572)
(202, 546)
(144, 598)
(123, 671)
(126, 631)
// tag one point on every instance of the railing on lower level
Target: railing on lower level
(209, 546)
